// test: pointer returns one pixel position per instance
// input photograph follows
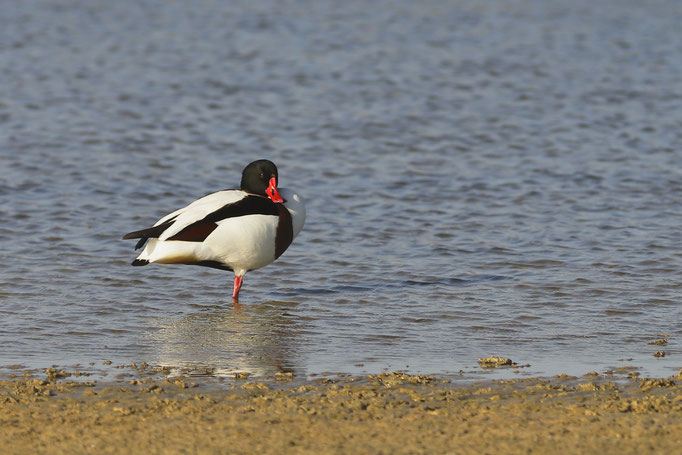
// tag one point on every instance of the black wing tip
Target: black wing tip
(137, 235)
(139, 262)
(152, 232)
(133, 235)
(140, 243)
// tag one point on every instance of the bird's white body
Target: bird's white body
(238, 230)
(242, 243)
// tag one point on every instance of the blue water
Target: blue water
(480, 178)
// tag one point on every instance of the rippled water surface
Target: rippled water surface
(481, 178)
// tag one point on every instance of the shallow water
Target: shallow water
(480, 179)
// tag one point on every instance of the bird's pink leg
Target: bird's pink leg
(237, 287)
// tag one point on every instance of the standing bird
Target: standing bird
(237, 230)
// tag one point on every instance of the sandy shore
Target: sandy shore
(389, 413)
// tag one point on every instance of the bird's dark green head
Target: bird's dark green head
(260, 177)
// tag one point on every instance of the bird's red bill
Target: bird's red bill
(272, 191)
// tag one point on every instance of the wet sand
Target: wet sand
(389, 413)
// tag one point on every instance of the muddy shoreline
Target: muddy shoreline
(58, 412)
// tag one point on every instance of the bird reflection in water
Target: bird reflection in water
(256, 339)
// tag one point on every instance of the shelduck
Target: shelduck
(236, 230)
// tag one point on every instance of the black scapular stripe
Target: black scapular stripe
(196, 232)
(250, 205)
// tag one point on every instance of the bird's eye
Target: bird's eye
(262, 175)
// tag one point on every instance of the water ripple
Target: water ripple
(479, 180)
